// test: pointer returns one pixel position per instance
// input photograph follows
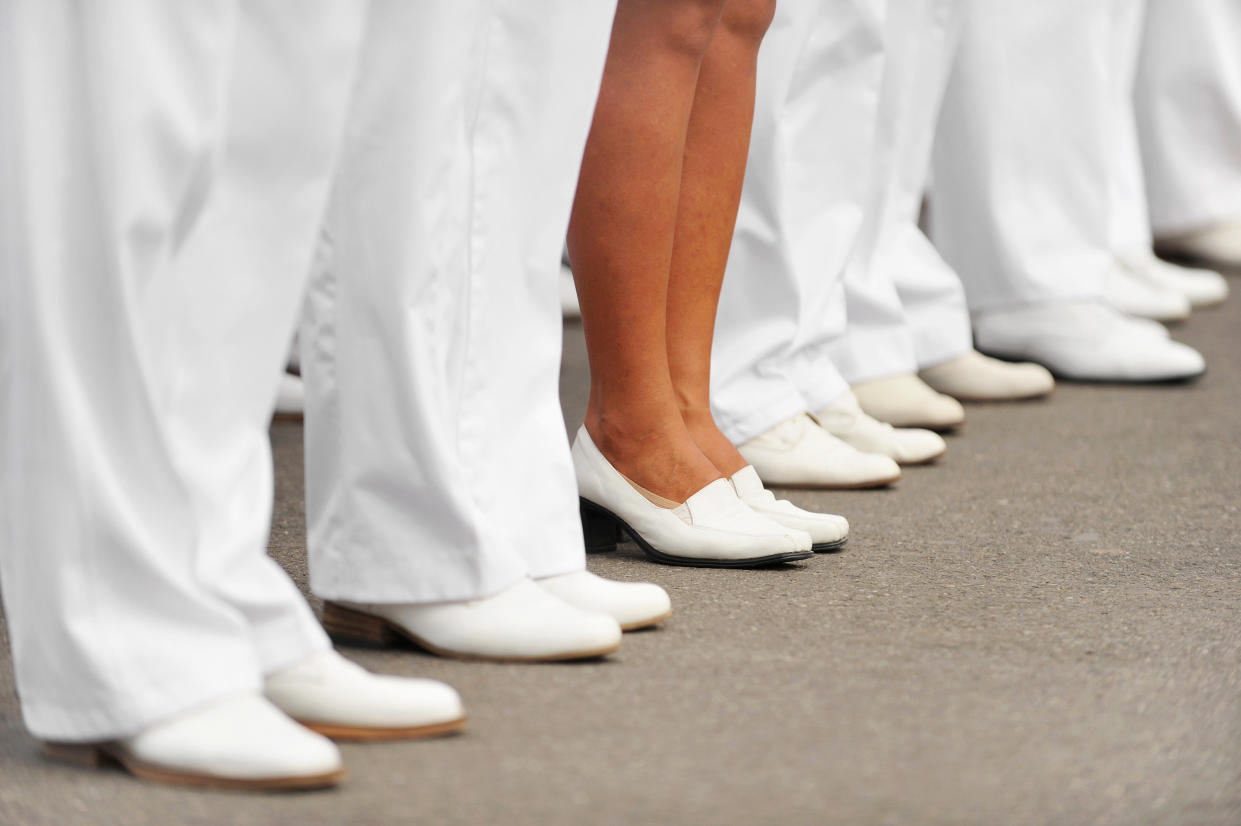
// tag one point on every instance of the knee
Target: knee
(692, 24)
(748, 19)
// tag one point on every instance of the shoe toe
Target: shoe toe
(915, 446)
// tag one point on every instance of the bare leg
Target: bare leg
(717, 144)
(621, 240)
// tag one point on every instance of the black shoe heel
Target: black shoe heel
(602, 530)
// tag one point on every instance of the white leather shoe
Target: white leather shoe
(632, 604)
(975, 377)
(828, 532)
(523, 623)
(846, 420)
(1086, 342)
(711, 529)
(799, 453)
(339, 699)
(240, 743)
(290, 399)
(1133, 295)
(1218, 245)
(1201, 288)
(907, 401)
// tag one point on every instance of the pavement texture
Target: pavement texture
(1042, 628)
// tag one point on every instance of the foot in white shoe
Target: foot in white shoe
(632, 604)
(523, 623)
(799, 453)
(239, 743)
(1201, 288)
(1133, 295)
(975, 377)
(846, 420)
(1086, 341)
(1217, 245)
(339, 699)
(711, 529)
(907, 401)
(828, 531)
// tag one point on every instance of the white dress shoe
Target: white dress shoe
(799, 453)
(908, 401)
(711, 529)
(1086, 342)
(523, 623)
(1133, 295)
(828, 532)
(975, 377)
(846, 420)
(290, 398)
(1218, 245)
(339, 699)
(1201, 288)
(239, 743)
(632, 604)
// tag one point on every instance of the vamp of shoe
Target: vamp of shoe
(243, 742)
(1086, 341)
(846, 420)
(975, 377)
(339, 699)
(1199, 287)
(712, 528)
(907, 401)
(1128, 290)
(523, 623)
(633, 605)
(828, 532)
(799, 453)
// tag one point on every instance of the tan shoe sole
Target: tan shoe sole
(97, 755)
(378, 733)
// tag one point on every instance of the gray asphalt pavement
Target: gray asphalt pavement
(1043, 628)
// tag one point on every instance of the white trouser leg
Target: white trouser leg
(1130, 225)
(437, 463)
(906, 307)
(1020, 199)
(1188, 98)
(154, 161)
(801, 209)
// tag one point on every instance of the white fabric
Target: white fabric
(782, 303)
(1188, 98)
(1021, 205)
(905, 306)
(437, 462)
(164, 171)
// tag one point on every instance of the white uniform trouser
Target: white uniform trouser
(905, 306)
(163, 171)
(1021, 204)
(1188, 97)
(1130, 231)
(437, 462)
(782, 304)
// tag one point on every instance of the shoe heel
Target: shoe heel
(602, 531)
(344, 625)
(83, 755)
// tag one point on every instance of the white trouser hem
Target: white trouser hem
(1221, 210)
(486, 581)
(742, 427)
(116, 717)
